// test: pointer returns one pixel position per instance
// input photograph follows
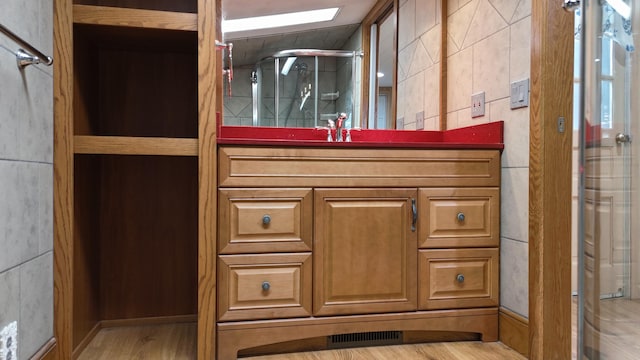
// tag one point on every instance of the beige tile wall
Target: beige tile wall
(419, 34)
(488, 47)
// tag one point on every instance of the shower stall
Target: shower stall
(608, 245)
(300, 88)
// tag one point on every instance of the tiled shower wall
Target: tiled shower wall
(488, 47)
(26, 178)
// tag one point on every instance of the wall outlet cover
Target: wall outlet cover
(420, 120)
(477, 105)
(9, 342)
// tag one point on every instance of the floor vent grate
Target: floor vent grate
(376, 338)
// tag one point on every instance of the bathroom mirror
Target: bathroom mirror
(379, 29)
(274, 85)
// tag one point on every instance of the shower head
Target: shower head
(301, 67)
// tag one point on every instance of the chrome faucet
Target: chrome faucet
(339, 123)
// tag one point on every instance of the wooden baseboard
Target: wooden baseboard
(46, 351)
(320, 343)
(85, 342)
(251, 334)
(159, 320)
(514, 331)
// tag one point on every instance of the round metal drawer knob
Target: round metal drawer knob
(460, 217)
(266, 220)
(460, 278)
(266, 286)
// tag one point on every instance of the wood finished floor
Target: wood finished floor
(177, 341)
(620, 325)
(157, 342)
(471, 350)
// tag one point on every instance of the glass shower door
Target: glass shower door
(608, 329)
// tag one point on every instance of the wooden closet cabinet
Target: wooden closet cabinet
(135, 96)
(398, 239)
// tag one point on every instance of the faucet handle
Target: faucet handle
(348, 139)
(329, 137)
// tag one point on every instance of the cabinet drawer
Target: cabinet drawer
(265, 220)
(458, 278)
(459, 217)
(264, 286)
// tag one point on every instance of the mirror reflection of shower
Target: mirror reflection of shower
(300, 88)
(303, 85)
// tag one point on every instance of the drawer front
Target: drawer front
(264, 286)
(265, 220)
(329, 167)
(458, 278)
(459, 217)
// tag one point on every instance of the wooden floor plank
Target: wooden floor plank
(472, 350)
(158, 342)
(178, 341)
(619, 322)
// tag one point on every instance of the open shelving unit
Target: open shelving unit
(130, 130)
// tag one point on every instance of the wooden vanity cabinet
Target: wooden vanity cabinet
(398, 239)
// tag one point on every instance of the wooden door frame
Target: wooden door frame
(209, 104)
(550, 181)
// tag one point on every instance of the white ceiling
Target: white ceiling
(351, 12)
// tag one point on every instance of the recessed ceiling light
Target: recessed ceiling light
(380, 74)
(279, 20)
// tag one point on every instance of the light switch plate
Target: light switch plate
(477, 105)
(520, 94)
(420, 120)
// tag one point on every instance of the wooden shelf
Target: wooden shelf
(125, 145)
(134, 18)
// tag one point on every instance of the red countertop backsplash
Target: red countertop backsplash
(485, 136)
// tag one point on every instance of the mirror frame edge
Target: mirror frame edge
(442, 112)
(376, 13)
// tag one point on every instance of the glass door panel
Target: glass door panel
(609, 328)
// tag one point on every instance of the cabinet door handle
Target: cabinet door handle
(266, 286)
(460, 216)
(460, 278)
(266, 220)
(414, 210)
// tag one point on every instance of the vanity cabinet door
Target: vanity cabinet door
(365, 251)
